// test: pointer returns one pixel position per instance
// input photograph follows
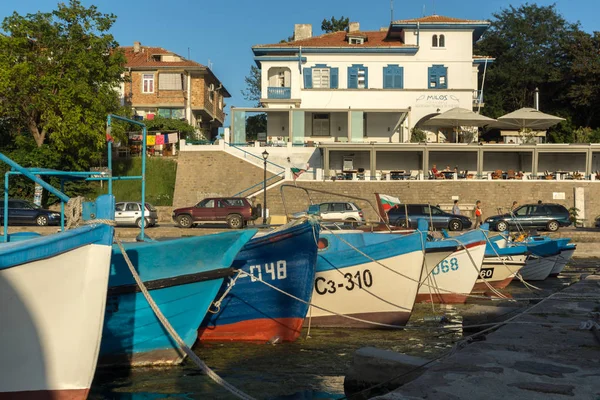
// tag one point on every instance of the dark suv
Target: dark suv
(440, 219)
(236, 211)
(538, 216)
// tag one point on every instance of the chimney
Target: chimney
(136, 47)
(353, 27)
(302, 31)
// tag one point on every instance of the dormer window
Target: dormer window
(356, 40)
(156, 57)
(438, 41)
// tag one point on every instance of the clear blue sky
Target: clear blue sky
(223, 31)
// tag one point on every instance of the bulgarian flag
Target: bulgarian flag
(388, 201)
(297, 171)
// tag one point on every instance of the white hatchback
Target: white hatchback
(341, 211)
(130, 213)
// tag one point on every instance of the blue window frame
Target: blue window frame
(321, 76)
(358, 77)
(438, 77)
(393, 77)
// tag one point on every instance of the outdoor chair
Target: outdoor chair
(520, 175)
(510, 174)
(577, 175)
(414, 174)
(597, 176)
(497, 174)
(548, 175)
(360, 175)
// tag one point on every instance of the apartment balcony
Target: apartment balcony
(279, 93)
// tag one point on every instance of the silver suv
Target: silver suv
(341, 211)
(130, 213)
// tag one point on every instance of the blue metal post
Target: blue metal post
(144, 133)
(108, 130)
(62, 207)
(5, 233)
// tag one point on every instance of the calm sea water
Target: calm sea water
(313, 367)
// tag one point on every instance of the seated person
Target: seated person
(436, 174)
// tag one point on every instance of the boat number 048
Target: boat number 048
(357, 281)
(446, 266)
(276, 270)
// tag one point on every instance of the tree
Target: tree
(335, 25)
(530, 49)
(59, 72)
(252, 91)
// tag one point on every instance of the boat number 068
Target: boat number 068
(446, 266)
(350, 282)
(276, 270)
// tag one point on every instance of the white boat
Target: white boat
(52, 295)
(566, 253)
(498, 272)
(538, 268)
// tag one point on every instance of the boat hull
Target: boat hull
(183, 277)
(538, 268)
(253, 311)
(561, 261)
(352, 291)
(453, 279)
(52, 313)
(498, 272)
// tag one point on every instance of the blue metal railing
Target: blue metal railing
(282, 93)
(235, 146)
(260, 184)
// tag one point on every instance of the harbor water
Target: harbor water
(314, 366)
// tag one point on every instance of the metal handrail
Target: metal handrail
(259, 184)
(254, 155)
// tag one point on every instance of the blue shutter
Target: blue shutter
(366, 77)
(432, 77)
(307, 78)
(333, 78)
(388, 77)
(435, 72)
(352, 77)
(443, 72)
(399, 78)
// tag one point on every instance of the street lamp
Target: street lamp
(265, 155)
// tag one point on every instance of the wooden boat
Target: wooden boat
(451, 280)
(253, 311)
(500, 265)
(544, 254)
(53, 294)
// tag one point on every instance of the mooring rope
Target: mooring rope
(165, 322)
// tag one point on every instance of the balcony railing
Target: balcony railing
(279, 93)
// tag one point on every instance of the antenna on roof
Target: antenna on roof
(423, 14)
(391, 10)
(433, 6)
(189, 58)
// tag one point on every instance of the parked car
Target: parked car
(336, 211)
(235, 211)
(130, 213)
(23, 212)
(532, 216)
(439, 218)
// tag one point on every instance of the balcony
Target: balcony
(279, 93)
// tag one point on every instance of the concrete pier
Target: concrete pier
(551, 351)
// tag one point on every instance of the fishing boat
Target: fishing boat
(53, 294)
(367, 280)
(248, 309)
(500, 265)
(451, 280)
(566, 253)
(544, 254)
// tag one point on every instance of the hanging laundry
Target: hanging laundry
(151, 140)
(160, 139)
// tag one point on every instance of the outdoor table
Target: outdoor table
(561, 174)
(397, 175)
(349, 174)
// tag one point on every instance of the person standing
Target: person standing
(514, 206)
(455, 208)
(478, 214)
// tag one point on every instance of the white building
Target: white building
(366, 86)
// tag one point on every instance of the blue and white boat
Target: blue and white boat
(500, 265)
(544, 254)
(52, 296)
(183, 277)
(252, 311)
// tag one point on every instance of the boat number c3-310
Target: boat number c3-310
(350, 282)
(274, 271)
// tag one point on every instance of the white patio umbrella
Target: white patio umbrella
(528, 118)
(457, 117)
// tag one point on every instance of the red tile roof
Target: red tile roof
(438, 19)
(338, 39)
(144, 58)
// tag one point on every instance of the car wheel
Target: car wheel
(184, 221)
(501, 226)
(455, 225)
(552, 226)
(235, 221)
(141, 221)
(401, 223)
(41, 220)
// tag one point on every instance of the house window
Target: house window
(170, 82)
(356, 40)
(321, 77)
(393, 77)
(358, 77)
(434, 41)
(148, 83)
(438, 77)
(320, 125)
(442, 42)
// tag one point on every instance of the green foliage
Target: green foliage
(335, 25)
(252, 91)
(59, 72)
(255, 124)
(160, 180)
(574, 216)
(418, 135)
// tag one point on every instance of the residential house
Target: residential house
(166, 84)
